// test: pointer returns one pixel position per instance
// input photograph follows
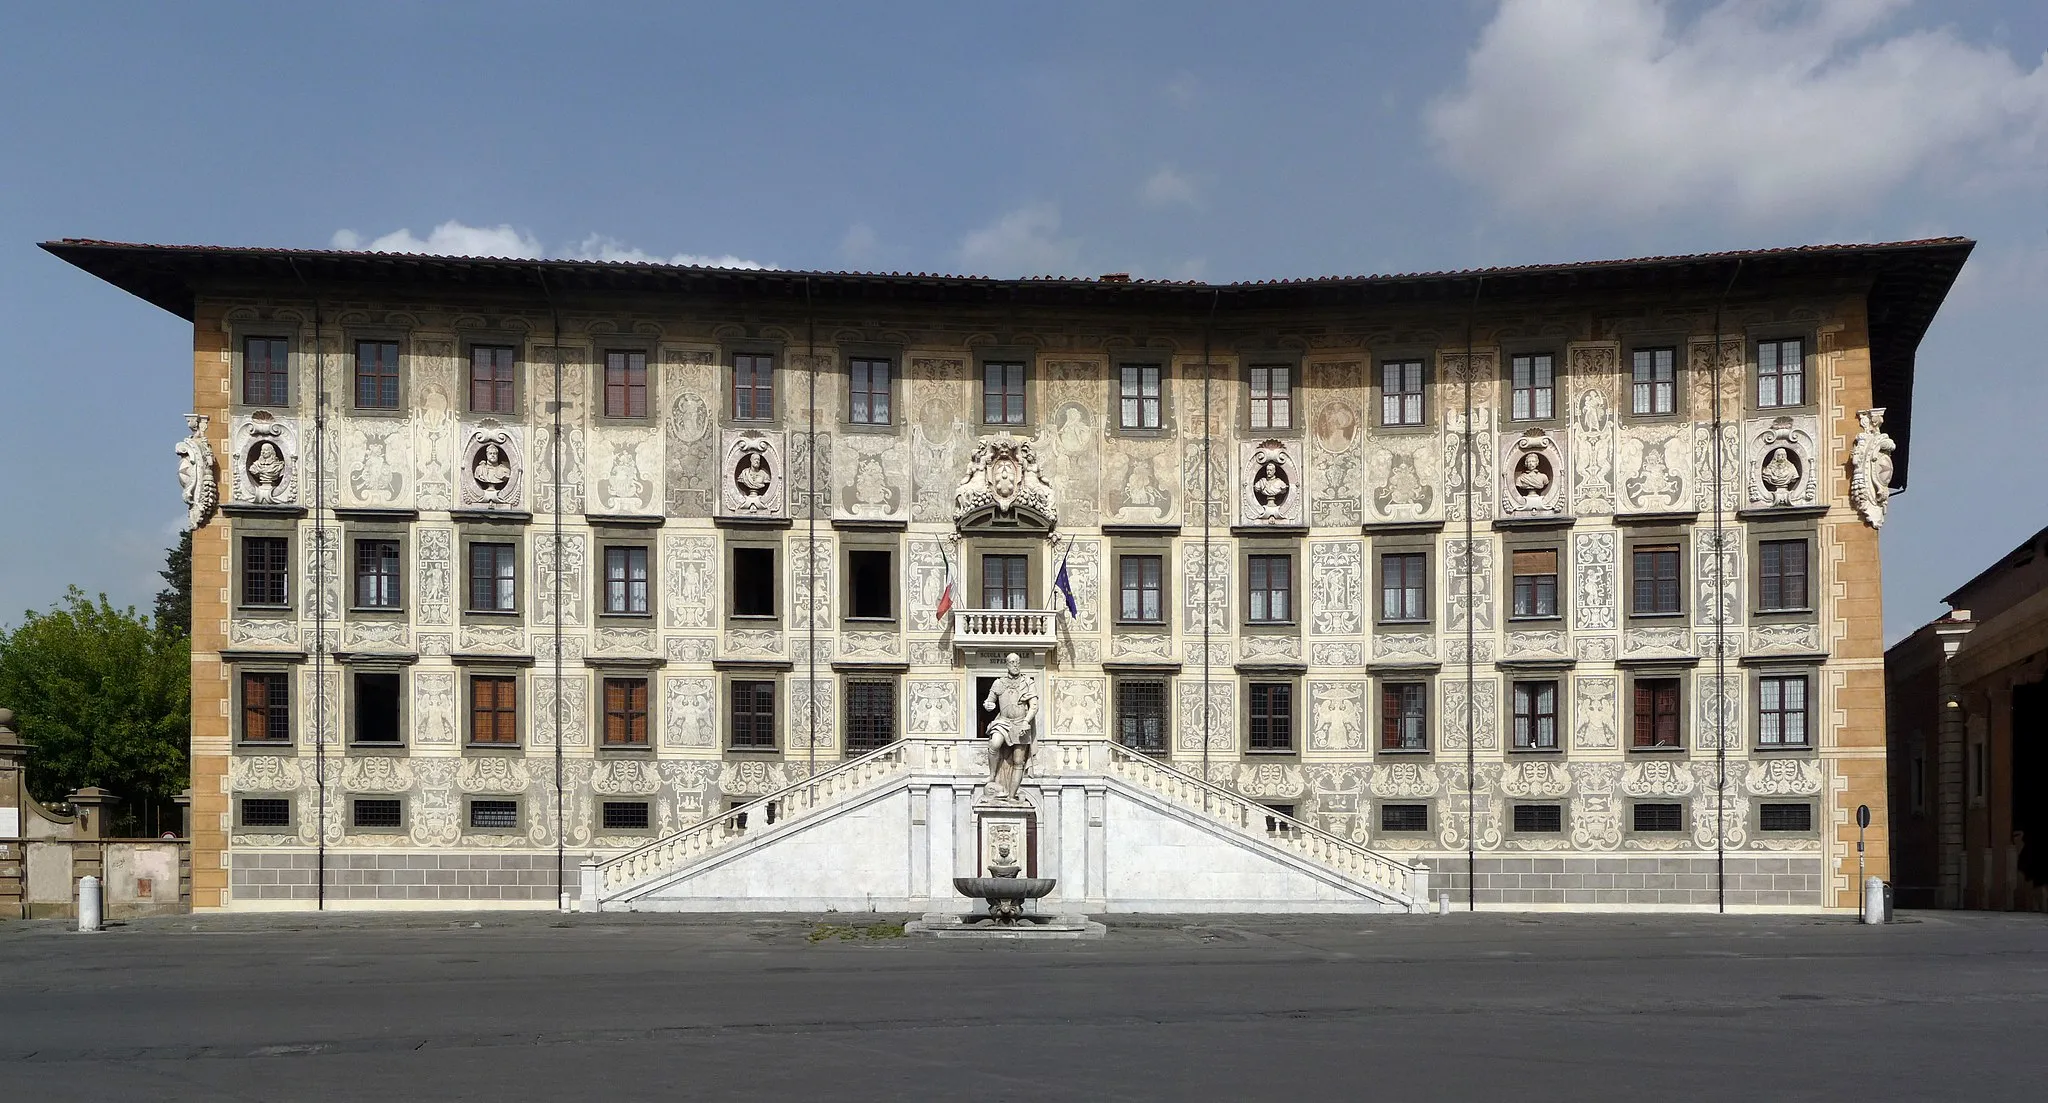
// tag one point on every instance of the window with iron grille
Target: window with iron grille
(1659, 817)
(494, 709)
(870, 713)
(1535, 575)
(1401, 392)
(753, 714)
(1656, 713)
(266, 812)
(625, 815)
(1141, 714)
(376, 705)
(753, 387)
(377, 574)
(266, 706)
(491, 379)
(1271, 579)
(1272, 716)
(1141, 581)
(868, 391)
(1781, 710)
(1002, 393)
(1005, 582)
(1536, 716)
(1404, 817)
(1534, 387)
(266, 371)
(1404, 716)
(494, 815)
(625, 383)
(1653, 380)
(1138, 394)
(625, 712)
(1272, 396)
(1781, 373)
(625, 581)
(377, 812)
(871, 593)
(1402, 585)
(1785, 817)
(1655, 580)
(753, 582)
(266, 568)
(1781, 575)
(493, 578)
(1539, 819)
(377, 375)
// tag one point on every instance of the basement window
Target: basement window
(494, 815)
(1539, 819)
(377, 812)
(753, 582)
(1404, 817)
(625, 815)
(1785, 817)
(1659, 817)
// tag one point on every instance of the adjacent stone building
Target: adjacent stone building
(1547, 586)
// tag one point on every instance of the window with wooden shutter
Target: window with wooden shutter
(494, 709)
(625, 712)
(1656, 719)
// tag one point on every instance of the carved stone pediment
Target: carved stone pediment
(1004, 486)
(1532, 470)
(493, 466)
(1270, 490)
(1870, 467)
(197, 481)
(751, 475)
(266, 460)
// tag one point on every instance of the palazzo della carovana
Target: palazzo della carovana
(536, 583)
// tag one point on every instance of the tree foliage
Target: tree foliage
(103, 698)
(174, 602)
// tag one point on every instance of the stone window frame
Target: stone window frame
(1297, 415)
(522, 367)
(602, 346)
(1564, 819)
(1559, 390)
(1680, 535)
(1431, 715)
(1379, 823)
(779, 733)
(1752, 707)
(1684, 818)
(349, 710)
(1132, 356)
(1561, 713)
(1418, 543)
(404, 814)
(353, 337)
(1032, 548)
(267, 527)
(898, 389)
(605, 538)
(1813, 818)
(1159, 547)
(869, 540)
(516, 800)
(353, 530)
(490, 532)
(1294, 714)
(1161, 678)
(736, 539)
(1680, 346)
(1755, 535)
(599, 713)
(894, 681)
(1657, 672)
(779, 379)
(1295, 551)
(1432, 374)
(601, 828)
(1535, 541)
(978, 384)
(522, 701)
(239, 335)
(1752, 367)
(239, 722)
(291, 813)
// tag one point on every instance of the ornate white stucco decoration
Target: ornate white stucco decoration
(1005, 484)
(492, 466)
(1531, 475)
(1269, 484)
(1778, 462)
(751, 475)
(1870, 467)
(196, 480)
(266, 460)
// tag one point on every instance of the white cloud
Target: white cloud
(1167, 188)
(1757, 108)
(449, 239)
(859, 243)
(1024, 241)
(600, 247)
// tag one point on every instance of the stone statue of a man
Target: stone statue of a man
(1014, 700)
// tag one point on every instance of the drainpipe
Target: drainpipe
(319, 596)
(1208, 588)
(1471, 632)
(1722, 611)
(811, 554)
(555, 467)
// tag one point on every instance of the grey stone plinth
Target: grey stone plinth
(1032, 928)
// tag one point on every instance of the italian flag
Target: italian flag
(945, 595)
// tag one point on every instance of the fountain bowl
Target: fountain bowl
(1004, 888)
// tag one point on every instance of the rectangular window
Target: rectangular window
(1141, 582)
(377, 574)
(1404, 716)
(1272, 396)
(1655, 580)
(1272, 588)
(1781, 710)
(871, 574)
(494, 815)
(1539, 819)
(625, 383)
(1656, 717)
(1654, 379)
(753, 582)
(266, 371)
(1534, 385)
(1401, 586)
(1404, 817)
(625, 815)
(1659, 817)
(1141, 714)
(1536, 716)
(625, 581)
(1138, 394)
(1781, 575)
(1401, 392)
(753, 387)
(1272, 716)
(1781, 373)
(870, 714)
(868, 392)
(377, 706)
(753, 714)
(1002, 393)
(491, 379)
(376, 375)
(266, 568)
(377, 812)
(266, 812)
(493, 578)
(1004, 582)
(266, 707)
(1535, 583)
(625, 712)
(494, 709)
(1785, 817)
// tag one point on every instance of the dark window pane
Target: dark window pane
(625, 815)
(494, 815)
(753, 387)
(870, 714)
(871, 574)
(493, 578)
(266, 812)
(1659, 817)
(753, 714)
(265, 569)
(1272, 716)
(1656, 713)
(1785, 817)
(753, 582)
(377, 706)
(377, 812)
(1141, 715)
(1404, 817)
(1539, 818)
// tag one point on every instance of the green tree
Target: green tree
(101, 697)
(174, 602)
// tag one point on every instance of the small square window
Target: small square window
(1780, 373)
(1272, 396)
(1538, 819)
(377, 375)
(1404, 817)
(625, 815)
(1653, 381)
(1533, 382)
(1138, 396)
(494, 815)
(1785, 817)
(377, 812)
(1659, 817)
(625, 383)
(868, 391)
(1401, 392)
(266, 812)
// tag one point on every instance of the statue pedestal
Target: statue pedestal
(1006, 851)
(1006, 835)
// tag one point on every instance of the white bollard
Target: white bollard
(88, 903)
(1443, 903)
(1873, 900)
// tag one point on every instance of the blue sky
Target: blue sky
(1226, 141)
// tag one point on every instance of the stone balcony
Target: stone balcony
(1005, 629)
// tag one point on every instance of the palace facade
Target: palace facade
(521, 581)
